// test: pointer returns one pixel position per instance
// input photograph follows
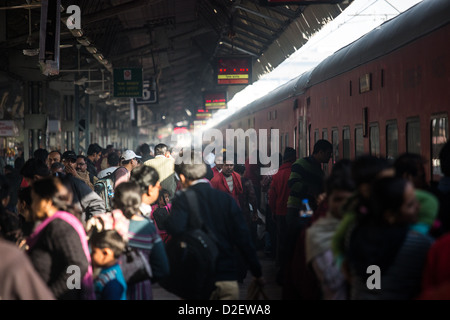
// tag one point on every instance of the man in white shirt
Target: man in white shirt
(165, 165)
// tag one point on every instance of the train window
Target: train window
(335, 143)
(439, 134)
(281, 143)
(300, 128)
(274, 116)
(325, 134)
(269, 115)
(301, 148)
(308, 140)
(391, 139)
(359, 142)
(295, 137)
(413, 135)
(374, 139)
(325, 137)
(346, 143)
(365, 83)
(286, 140)
(316, 135)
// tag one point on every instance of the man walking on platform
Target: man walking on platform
(227, 180)
(306, 181)
(94, 153)
(221, 214)
(164, 164)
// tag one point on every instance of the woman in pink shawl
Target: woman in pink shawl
(58, 247)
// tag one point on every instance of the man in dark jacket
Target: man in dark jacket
(278, 197)
(94, 154)
(306, 181)
(224, 218)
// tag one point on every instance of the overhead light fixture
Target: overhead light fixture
(84, 41)
(89, 91)
(77, 32)
(91, 49)
(104, 95)
(81, 81)
(31, 52)
(99, 56)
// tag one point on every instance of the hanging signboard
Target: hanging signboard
(233, 70)
(203, 114)
(128, 83)
(8, 128)
(215, 100)
(149, 92)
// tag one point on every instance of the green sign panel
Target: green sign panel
(128, 83)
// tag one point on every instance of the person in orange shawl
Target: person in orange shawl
(227, 180)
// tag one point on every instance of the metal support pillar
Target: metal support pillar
(82, 119)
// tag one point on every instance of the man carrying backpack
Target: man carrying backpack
(223, 219)
(128, 162)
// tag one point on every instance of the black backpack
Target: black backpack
(192, 258)
(160, 216)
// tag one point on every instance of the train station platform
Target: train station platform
(271, 288)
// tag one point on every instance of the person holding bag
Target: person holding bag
(222, 219)
(139, 233)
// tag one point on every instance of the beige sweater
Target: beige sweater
(166, 170)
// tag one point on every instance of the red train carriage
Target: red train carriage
(386, 93)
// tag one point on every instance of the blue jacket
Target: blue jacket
(224, 218)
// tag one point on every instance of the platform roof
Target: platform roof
(174, 41)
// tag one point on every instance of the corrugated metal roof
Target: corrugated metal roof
(414, 23)
(176, 41)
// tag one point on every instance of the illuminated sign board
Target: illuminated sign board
(233, 70)
(180, 130)
(203, 114)
(214, 100)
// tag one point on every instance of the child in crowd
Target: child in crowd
(106, 247)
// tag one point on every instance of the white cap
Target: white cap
(129, 154)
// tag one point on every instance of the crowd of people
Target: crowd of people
(376, 228)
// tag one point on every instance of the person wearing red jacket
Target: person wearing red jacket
(228, 180)
(278, 196)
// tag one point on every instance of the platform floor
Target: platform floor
(272, 289)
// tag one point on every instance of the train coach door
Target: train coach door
(439, 137)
